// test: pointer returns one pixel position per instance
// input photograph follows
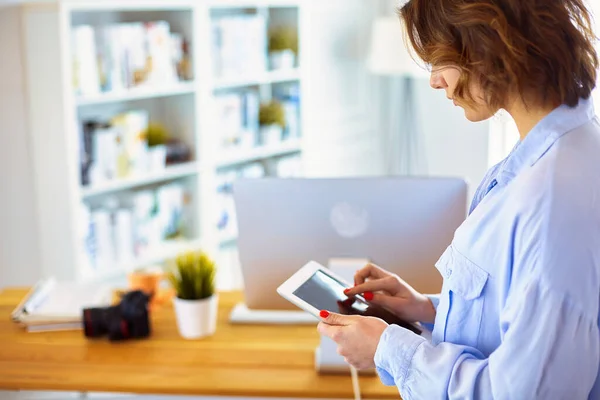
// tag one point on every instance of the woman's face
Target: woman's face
(447, 78)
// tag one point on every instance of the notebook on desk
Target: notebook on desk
(53, 305)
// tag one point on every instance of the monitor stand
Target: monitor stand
(241, 314)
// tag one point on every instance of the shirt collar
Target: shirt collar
(559, 122)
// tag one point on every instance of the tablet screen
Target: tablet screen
(324, 292)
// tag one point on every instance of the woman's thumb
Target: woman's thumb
(335, 319)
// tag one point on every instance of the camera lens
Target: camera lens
(94, 322)
(129, 319)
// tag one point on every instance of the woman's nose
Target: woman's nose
(436, 80)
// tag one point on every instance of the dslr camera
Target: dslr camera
(127, 320)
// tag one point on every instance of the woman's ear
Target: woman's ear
(437, 81)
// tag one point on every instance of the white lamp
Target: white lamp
(389, 56)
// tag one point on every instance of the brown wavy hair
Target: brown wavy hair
(540, 49)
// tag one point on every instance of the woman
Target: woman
(518, 314)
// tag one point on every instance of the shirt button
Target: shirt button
(448, 272)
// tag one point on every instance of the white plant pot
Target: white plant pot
(196, 318)
(284, 59)
(157, 156)
(271, 135)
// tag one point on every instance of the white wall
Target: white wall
(349, 106)
(454, 146)
(19, 253)
(342, 135)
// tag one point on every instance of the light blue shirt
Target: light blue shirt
(518, 314)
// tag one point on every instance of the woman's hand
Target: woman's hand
(357, 337)
(387, 290)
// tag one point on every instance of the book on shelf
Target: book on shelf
(132, 144)
(226, 215)
(161, 53)
(119, 230)
(85, 66)
(239, 46)
(237, 116)
(289, 97)
(237, 119)
(115, 57)
(119, 148)
(251, 124)
(230, 118)
(114, 149)
(224, 200)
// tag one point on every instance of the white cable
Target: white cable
(355, 383)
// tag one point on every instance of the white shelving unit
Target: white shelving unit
(157, 255)
(228, 162)
(268, 78)
(169, 173)
(245, 156)
(56, 114)
(140, 93)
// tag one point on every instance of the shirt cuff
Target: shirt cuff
(394, 354)
(435, 300)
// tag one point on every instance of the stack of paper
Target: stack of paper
(53, 305)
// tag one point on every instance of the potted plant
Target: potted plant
(283, 48)
(272, 122)
(193, 278)
(157, 137)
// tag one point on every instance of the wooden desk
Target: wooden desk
(260, 361)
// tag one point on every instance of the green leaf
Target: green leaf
(193, 276)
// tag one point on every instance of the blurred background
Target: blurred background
(123, 126)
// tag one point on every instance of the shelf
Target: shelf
(228, 240)
(237, 157)
(170, 173)
(138, 93)
(165, 251)
(263, 79)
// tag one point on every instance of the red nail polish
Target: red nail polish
(368, 296)
(324, 314)
(346, 291)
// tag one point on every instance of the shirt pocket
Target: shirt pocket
(459, 314)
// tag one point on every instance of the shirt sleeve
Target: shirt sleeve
(435, 300)
(558, 361)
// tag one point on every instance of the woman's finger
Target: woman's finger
(390, 303)
(388, 284)
(370, 271)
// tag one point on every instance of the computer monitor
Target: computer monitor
(402, 224)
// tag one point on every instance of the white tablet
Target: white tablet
(314, 288)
